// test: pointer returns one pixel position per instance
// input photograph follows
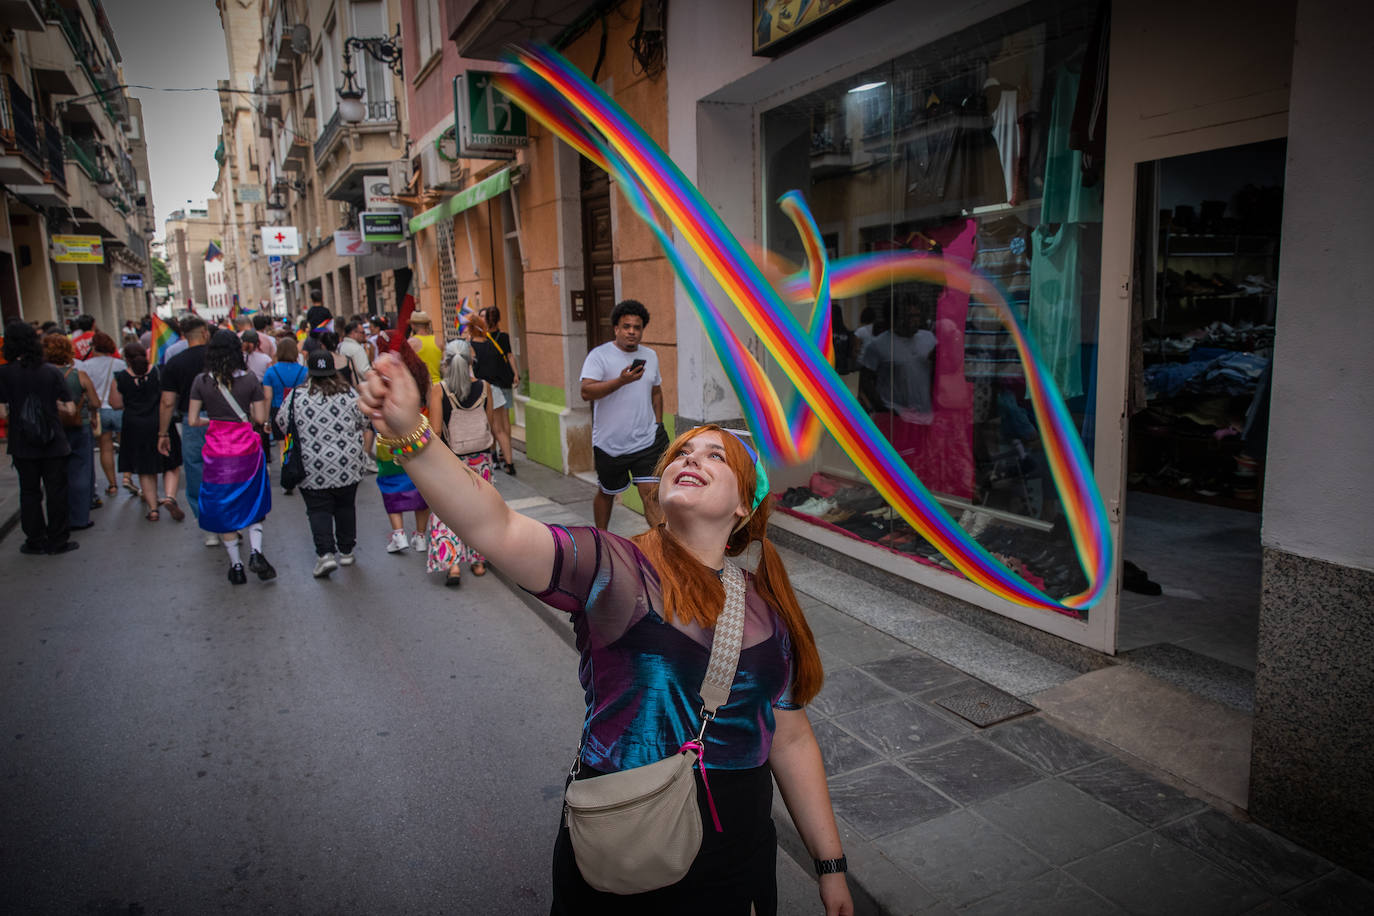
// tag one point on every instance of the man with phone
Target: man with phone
(621, 378)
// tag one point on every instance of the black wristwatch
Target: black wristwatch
(831, 866)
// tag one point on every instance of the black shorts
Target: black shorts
(615, 473)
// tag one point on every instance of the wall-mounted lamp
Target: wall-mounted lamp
(384, 50)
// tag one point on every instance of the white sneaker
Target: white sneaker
(324, 566)
(397, 543)
(212, 540)
(345, 559)
(419, 542)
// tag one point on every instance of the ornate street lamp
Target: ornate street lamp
(384, 50)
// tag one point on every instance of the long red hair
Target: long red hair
(692, 592)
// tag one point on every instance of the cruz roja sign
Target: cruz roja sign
(490, 126)
(382, 227)
(280, 240)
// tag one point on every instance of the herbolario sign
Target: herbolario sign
(490, 126)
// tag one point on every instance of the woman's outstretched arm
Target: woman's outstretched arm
(522, 547)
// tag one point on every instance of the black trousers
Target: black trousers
(734, 871)
(333, 518)
(39, 476)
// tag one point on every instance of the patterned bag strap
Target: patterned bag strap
(725, 647)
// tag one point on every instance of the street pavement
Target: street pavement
(376, 743)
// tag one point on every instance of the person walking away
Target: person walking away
(176, 376)
(227, 400)
(329, 430)
(81, 464)
(621, 377)
(353, 347)
(83, 336)
(645, 614)
(425, 345)
(267, 341)
(137, 394)
(282, 376)
(496, 365)
(173, 348)
(33, 399)
(253, 356)
(399, 495)
(100, 368)
(465, 427)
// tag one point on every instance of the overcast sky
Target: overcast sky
(174, 44)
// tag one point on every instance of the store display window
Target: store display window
(984, 147)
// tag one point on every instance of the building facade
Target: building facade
(75, 218)
(187, 235)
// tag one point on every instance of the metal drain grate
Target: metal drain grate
(984, 706)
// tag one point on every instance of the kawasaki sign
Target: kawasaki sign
(490, 126)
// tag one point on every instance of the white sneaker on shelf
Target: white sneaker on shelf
(398, 542)
(324, 566)
(419, 542)
(345, 559)
(212, 540)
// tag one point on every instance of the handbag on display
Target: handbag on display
(640, 829)
(292, 464)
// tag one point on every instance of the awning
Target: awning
(485, 189)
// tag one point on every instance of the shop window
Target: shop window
(973, 148)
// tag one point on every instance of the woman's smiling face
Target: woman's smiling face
(699, 478)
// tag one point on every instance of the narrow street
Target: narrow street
(373, 743)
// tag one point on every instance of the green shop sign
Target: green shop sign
(490, 125)
(382, 227)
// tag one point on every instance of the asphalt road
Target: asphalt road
(372, 743)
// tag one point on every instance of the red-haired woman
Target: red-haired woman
(644, 611)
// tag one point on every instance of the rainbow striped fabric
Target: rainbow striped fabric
(162, 337)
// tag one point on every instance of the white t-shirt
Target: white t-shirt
(902, 368)
(623, 421)
(258, 363)
(101, 369)
(356, 354)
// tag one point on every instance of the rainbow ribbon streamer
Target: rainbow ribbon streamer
(553, 92)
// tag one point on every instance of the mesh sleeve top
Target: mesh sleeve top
(642, 675)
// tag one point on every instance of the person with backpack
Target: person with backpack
(81, 498)
(34, 398)
(467, 429)
(281, 377)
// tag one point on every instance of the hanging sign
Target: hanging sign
(280, 240)
(350, 243)
(249, 194)
(382, 227)
(377, 194)
(490, 126)
(78, 249)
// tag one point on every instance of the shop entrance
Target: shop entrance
(598, 259)
(1207, 256)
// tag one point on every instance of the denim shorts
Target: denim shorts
(111, 420)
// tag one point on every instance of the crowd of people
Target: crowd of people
(219, 404)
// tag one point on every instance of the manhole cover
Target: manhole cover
(984, 706)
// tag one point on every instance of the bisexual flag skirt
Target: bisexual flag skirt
(234, 491)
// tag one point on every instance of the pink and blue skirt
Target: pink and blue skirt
(234, 490)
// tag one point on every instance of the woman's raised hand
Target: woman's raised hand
(389, 398)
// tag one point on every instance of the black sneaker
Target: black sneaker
(236, 574)
(64, 547)
(34, 548)
(258, 564)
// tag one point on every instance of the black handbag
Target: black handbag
(292, 465)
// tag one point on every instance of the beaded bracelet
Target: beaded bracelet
(411, 445)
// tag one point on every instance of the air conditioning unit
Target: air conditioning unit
(300, 38)
(398, 175)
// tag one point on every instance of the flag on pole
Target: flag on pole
(162, 337)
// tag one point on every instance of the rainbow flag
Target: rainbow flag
(323, 325)
(301, 335)
(162, 337)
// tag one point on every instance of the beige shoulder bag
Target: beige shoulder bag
(640, 829)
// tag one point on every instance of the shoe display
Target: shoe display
(324, 565)
(419, 542)
(398, 542)
(212, 540)
(346, 559)
(236, 575)
(258, 564)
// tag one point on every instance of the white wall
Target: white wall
(1321, 440)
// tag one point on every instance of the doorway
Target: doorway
(1208, 230)
(9, 288)
(598, 257)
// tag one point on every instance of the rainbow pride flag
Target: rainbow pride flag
(162, 337)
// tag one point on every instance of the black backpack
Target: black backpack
(34, 425)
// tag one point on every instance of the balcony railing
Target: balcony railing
(98, 72)
(23, 129)
(377, 112)
(87, 159)
(56, 162)
(326, 138)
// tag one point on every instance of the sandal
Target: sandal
(131, 487)
(479, 568)
(172, 507)
(454, 578)
(111, 490)
(152, 515)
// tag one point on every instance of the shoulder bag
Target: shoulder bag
(292, 465)
(640, 829)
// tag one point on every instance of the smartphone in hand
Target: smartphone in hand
(637, 364)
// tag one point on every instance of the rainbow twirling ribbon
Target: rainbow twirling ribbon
(566, 102)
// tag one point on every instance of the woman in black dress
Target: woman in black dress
(137, 391)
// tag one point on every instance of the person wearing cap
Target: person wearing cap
(422, 341)
(256, 360)
(235, 495)
(644, 612)
(329, 432)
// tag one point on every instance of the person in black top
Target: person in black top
(495, 365)
(34, 398)
(176, 378)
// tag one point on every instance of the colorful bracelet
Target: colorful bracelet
(411, 445)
